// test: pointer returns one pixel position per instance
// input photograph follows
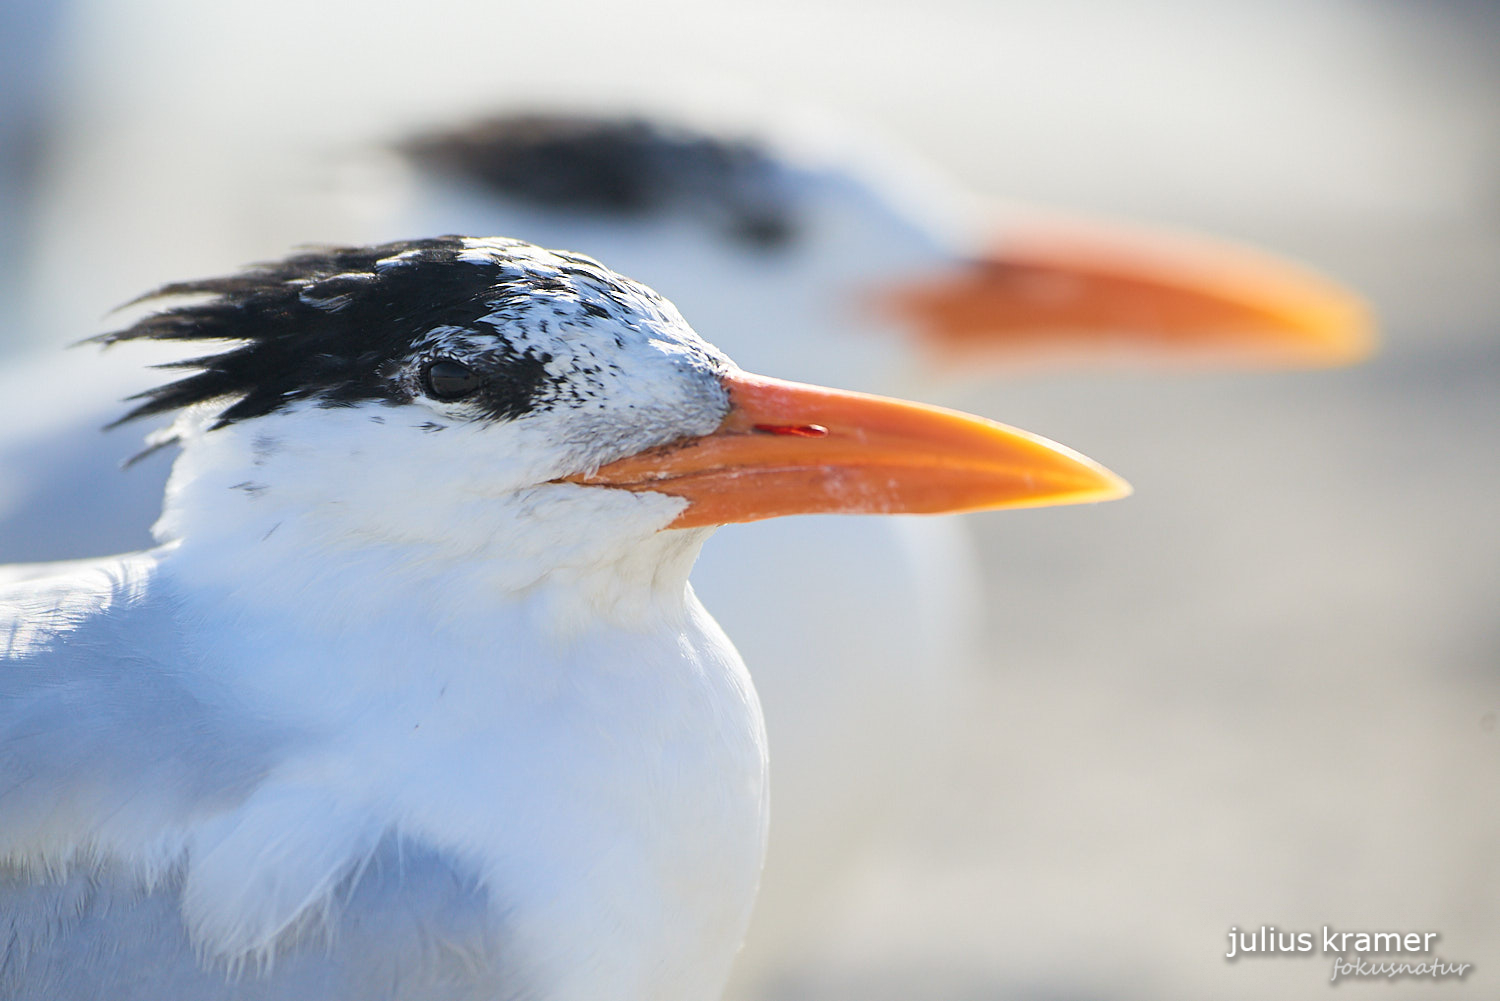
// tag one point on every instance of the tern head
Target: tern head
(461, 396)
(866, 271)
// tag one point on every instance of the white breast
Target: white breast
(607, 788)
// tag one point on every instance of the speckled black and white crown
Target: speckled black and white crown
(336, 327)
(620, 166)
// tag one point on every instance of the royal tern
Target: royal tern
(873, 274)
(413, 699)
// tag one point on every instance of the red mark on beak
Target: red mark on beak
(794, 430)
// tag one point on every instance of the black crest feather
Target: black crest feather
(324, 325)
(622, 166)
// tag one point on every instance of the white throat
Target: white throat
(428, 533)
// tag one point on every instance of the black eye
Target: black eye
(450, 380)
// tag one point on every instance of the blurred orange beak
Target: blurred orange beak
(786, 448)
(1074, 293)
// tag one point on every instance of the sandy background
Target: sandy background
(1264, 690)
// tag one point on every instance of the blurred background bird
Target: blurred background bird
(1322, 132)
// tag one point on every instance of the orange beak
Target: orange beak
(1068, 292)
(786, 448)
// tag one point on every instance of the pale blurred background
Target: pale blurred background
(1263, 690)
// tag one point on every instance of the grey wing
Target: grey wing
(409, 927)
(109, 737)
(106, 734)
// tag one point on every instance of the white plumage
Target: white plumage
(361, 639)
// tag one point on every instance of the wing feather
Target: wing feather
(116, 752)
